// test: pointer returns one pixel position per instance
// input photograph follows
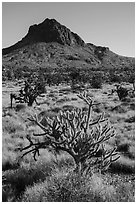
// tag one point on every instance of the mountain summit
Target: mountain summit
(53, 48)
(48, 31)
(52, 31)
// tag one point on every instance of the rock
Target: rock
(52, 31)
(48, 31)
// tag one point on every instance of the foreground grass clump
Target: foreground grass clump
(51, 180)
(12, 125)
(30, 172)
(124, 166)
(69, 187)
(26, 175)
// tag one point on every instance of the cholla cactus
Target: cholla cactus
(77, 134)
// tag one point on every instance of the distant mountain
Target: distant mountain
(52, 45)
(47, 31)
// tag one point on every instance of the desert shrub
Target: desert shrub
(64, 91)
(125, 192)
(74, 76)
(76, 79)
(131, 153)
(100, 52)
(85, 77)
(124, 186)
(31, 172)
(11, 125)
(119, 109)
(69, 187)
(24, 176)
(9, 74)
(132, 106)
(96, 80)
(20, 107)
(57, 78)
(130, 119)
(39, 184)
(124, 147)
(9, 160)
(64, 99)
(114, 77)
(122, 92)
(8, 194)
(123, 165)
(131, 78)
(11, 144)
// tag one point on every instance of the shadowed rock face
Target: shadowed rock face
(48, 31)
(52, 31)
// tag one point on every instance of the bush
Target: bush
(96, 80)
(123, 165)
(24, 176)
(122, 92)
(69, 187)
(12, 125)
(114, 77)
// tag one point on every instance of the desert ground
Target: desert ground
(51, 178)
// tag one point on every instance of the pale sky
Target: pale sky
(110, 24)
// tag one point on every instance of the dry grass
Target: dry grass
(64, 186)
(69, 187)
(51, 178)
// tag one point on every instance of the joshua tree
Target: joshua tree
(77, 134)
(19, 98)
(29, 93)
(121, 92)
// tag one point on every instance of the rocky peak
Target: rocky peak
(48, 31)
(52, 31)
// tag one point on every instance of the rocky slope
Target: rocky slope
(52, 45)
(47, 31)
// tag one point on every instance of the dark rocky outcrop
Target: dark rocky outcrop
(47, 31)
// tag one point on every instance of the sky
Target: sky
(109, 24)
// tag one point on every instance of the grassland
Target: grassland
(51, 177)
